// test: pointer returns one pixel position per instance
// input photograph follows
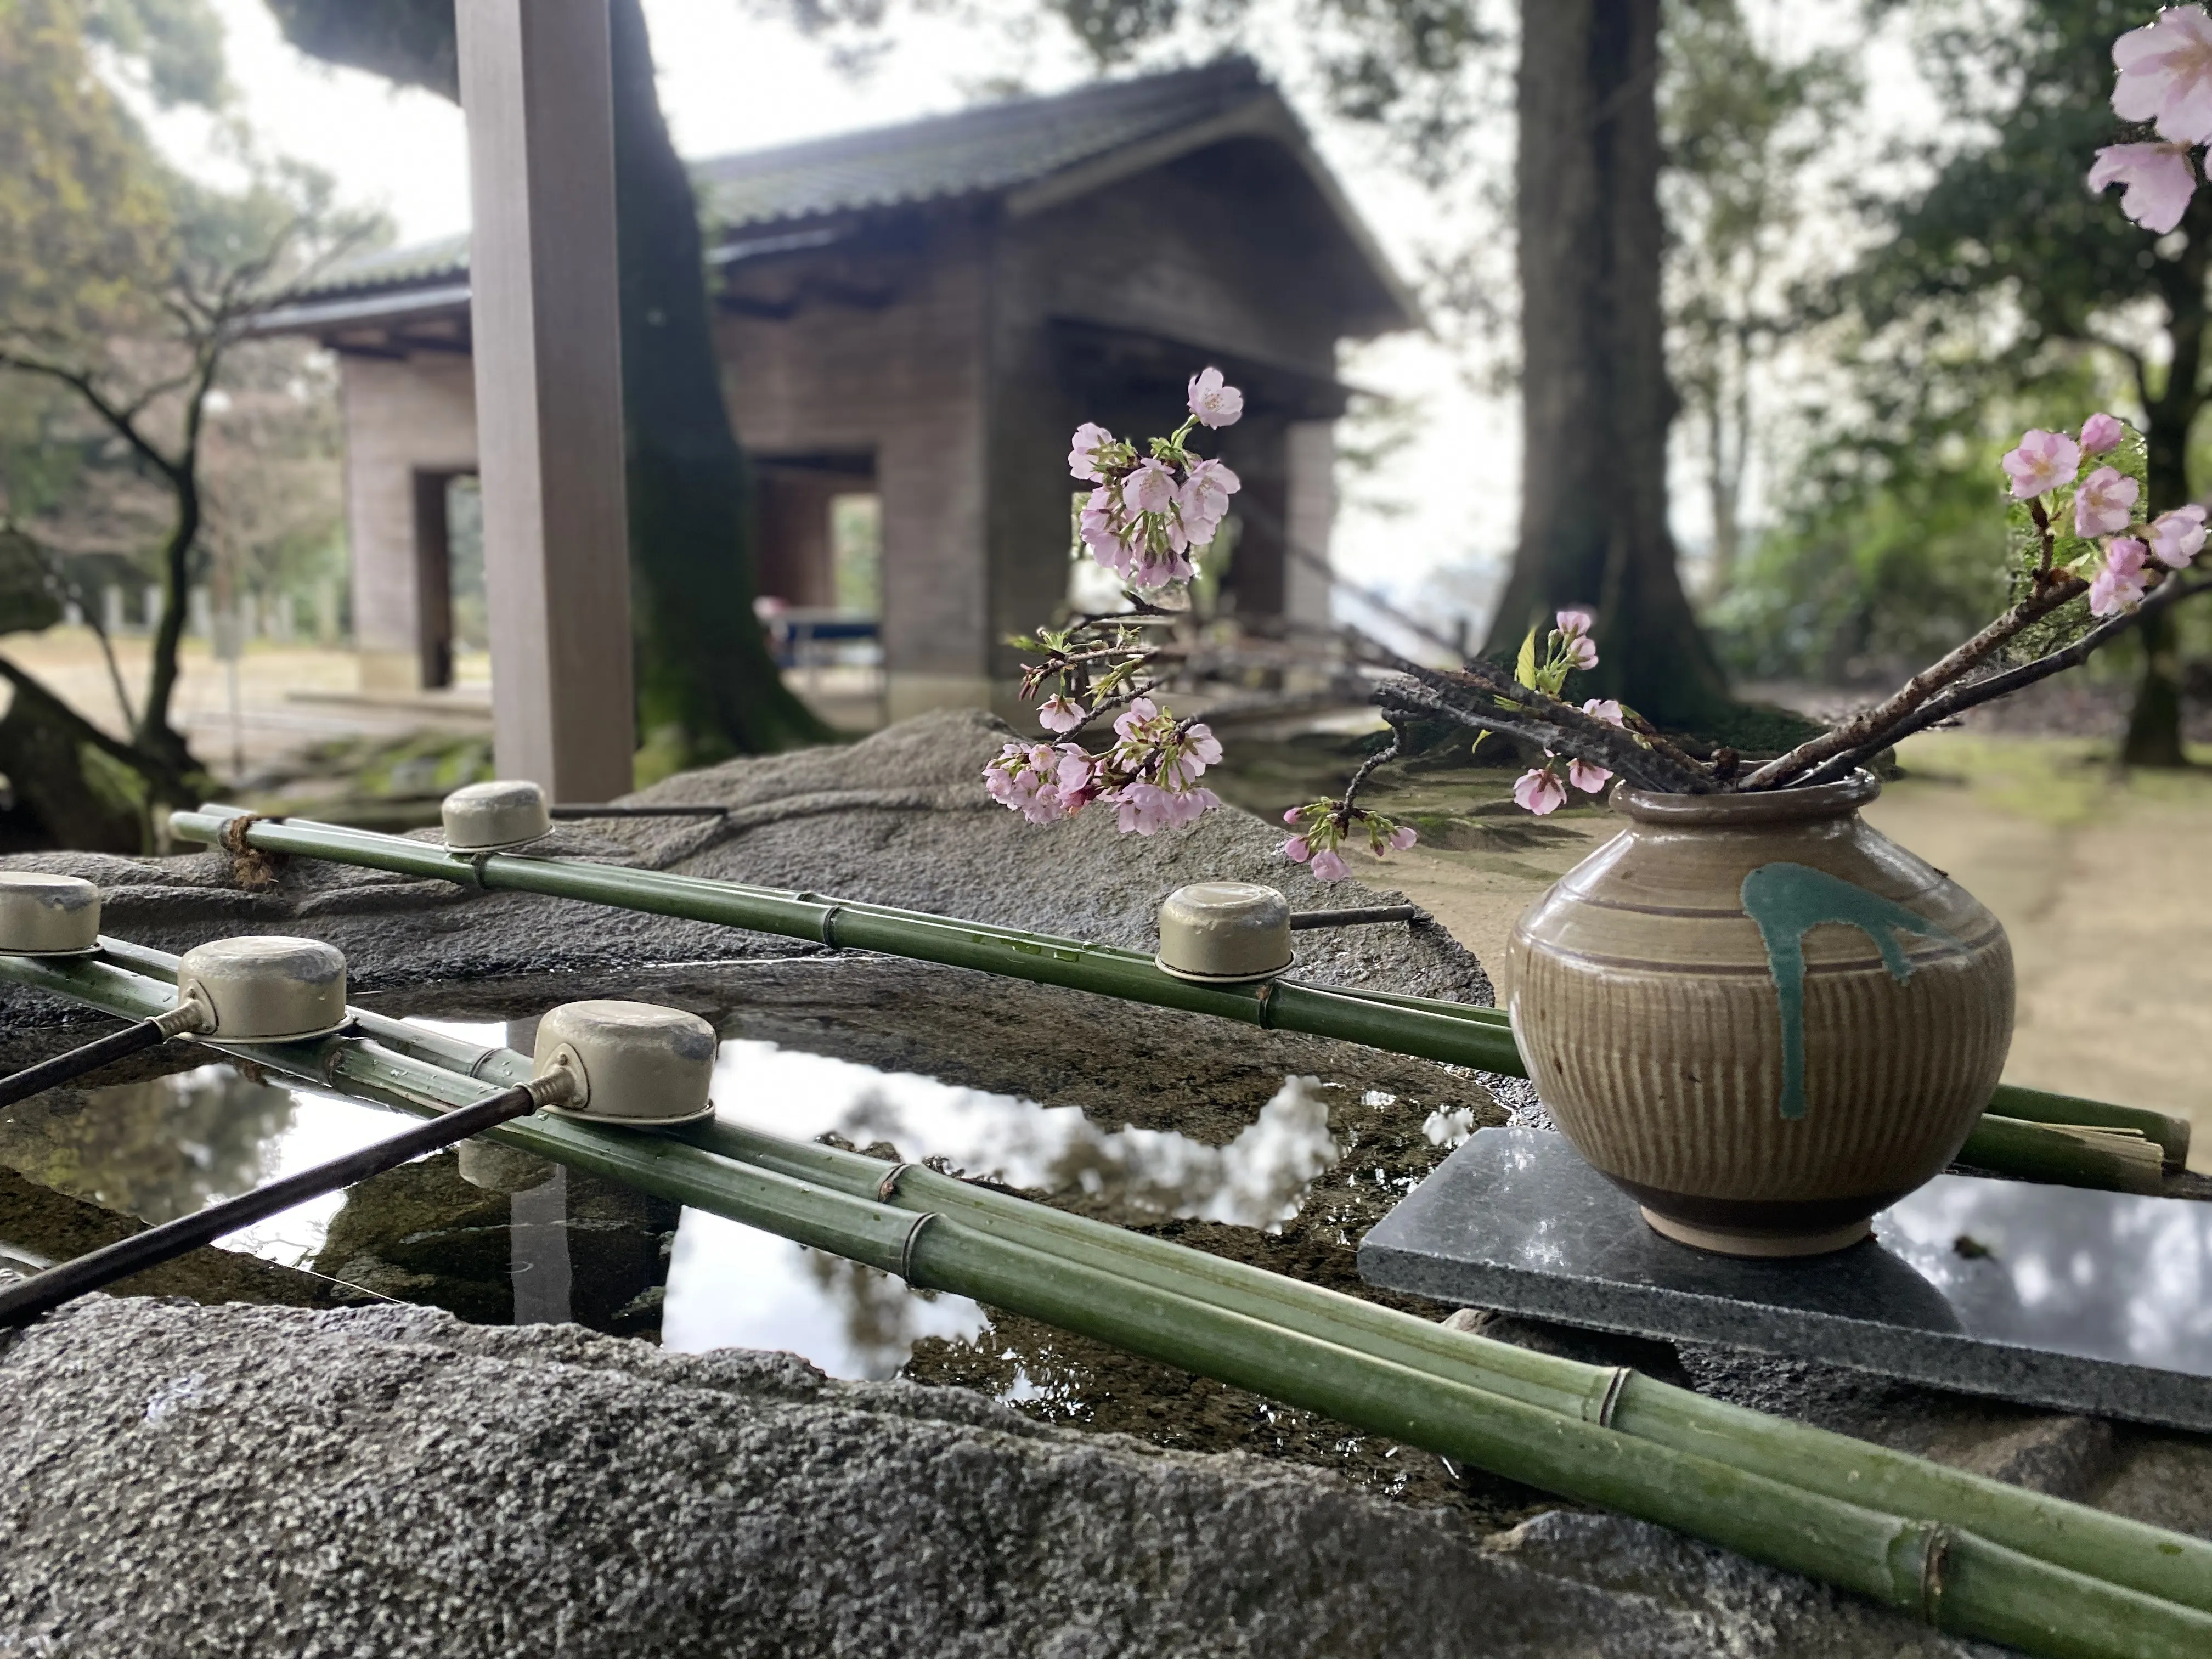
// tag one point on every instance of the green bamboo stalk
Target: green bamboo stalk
(1459, 1034)
(2069, 1534)
(1986, 1588)
(2084, 1157)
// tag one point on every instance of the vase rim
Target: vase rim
(1822, 801)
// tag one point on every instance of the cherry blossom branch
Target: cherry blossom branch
(1535, 718)
(1959, 698)
(1874, 725)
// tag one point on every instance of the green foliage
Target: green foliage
(177, 43)
(85, 226)
(1999, 296)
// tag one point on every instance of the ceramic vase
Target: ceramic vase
(1760, 1017)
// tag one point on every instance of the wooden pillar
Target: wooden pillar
(538, 91)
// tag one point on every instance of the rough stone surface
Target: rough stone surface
(898, 818)
(361, 1482)
(265, 1482)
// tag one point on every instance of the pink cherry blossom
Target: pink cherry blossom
(1402, 837)
(2159, 178)
(1329, 865)
(2177, 537)
(2044, 460)
(1082, 451)
(1297, 850)
(1144, 808)
(2165, 75)
(1215, 403)
(2102, 431)
(1204, 499)
(1291, 815)
(2103, 502)
(2119, 585)
(1605, 709)
(1059, 714)
(1200, 744)
(1539, 791)
(1150, 488)
(1128, 724)
(1587, 776)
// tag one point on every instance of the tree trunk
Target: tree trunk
(1596, 400)
(2153, 736)
(156, 735)
(706, 687)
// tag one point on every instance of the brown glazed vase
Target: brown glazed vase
(1760, 1016)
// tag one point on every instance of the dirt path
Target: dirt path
(2103, 882)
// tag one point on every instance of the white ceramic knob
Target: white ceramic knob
(265, 989)
(47, 915)
(635, 1062)
(1224, 932)
(486, 818)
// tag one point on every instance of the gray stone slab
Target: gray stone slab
(2053, 1296)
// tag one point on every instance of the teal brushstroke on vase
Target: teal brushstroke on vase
(1787, 901)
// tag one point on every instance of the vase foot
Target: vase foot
(1822, 1242)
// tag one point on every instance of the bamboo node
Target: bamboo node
(1604, 1396)
(913, 1236)
(887, 1188)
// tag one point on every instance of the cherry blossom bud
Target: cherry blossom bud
(1291, 815)
(1059, 714)
(2044, 460)
(2102, 431)
(2159, 178)
(1216, 404)
(1329, 865)
(1539, 791)
(1082, 451)
(2177, 537)
(1402, 837)
(2103, 502)
(1297, 850)
(2165, 75)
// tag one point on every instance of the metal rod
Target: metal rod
(1353, 917)
(42, 1292)
(572, 809)
(133, 1039)
(1456, 1033)
(1536, 1418)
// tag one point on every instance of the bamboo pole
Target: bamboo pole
(1459, 1034)
(2145, 1562)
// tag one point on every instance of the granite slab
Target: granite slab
(2052, 1296)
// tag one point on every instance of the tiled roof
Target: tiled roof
(980, 151)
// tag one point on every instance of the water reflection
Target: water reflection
(495, 1238)
(1255, 1180)
(156, 1150)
